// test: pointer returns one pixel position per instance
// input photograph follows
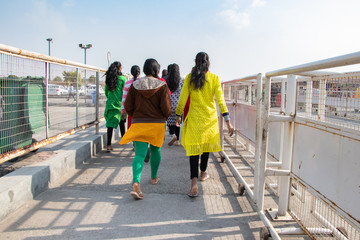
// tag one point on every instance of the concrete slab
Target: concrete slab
(93, 202)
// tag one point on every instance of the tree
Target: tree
(57, 79)
(70, 77)
(92, 79)
(13, 77)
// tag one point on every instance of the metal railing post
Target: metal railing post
(282, 124)
(283, 96)
(222, 125)
(258, 136)
(308, 98)
(284, 181)
(47, 74)
(77, 97)
(264, 144)
(322, 97)
(235, 118)
(249, 94)
(97, 103)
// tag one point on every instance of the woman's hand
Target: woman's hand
(123, 116)
(230, 128)
(178, 121)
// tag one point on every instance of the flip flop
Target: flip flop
(154, 181)
(137, 196)
(206, 177)
(173, 139)
(193, 195)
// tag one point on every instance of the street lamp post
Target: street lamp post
(49, 40)
(85, 46)
(47, 79)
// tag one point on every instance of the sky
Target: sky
(241, 37)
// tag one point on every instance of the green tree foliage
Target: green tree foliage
(13, 77)
(92, 79)
(70, 77)
(57, 79)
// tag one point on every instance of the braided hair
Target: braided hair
(112, 75)
(173, 77)
(135, 71)
(199, 71)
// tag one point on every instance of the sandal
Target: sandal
(204, 176)
(137, 196)
(173, 139)
(193, 195)
(193, 192)
(154, 181)
(109, 148)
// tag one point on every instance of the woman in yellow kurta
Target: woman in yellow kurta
(200, 133)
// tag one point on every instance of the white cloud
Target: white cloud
(41, 7)
(68, 3)
(235, 18)
(258, 3)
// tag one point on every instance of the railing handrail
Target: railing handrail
(33, 55)
(251, 77)
(339, 61)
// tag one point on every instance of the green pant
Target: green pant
(141, 149)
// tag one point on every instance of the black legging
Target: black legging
(194, 164)
(174, 129)
(110, 131)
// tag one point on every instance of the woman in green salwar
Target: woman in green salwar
(115, 83)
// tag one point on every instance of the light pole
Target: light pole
(85, 46)
(49, 40)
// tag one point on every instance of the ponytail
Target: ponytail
(198, 72)
(135, 71)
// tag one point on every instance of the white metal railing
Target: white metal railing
(36, 108)
(300, 120)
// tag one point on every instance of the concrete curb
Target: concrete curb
(24, 184)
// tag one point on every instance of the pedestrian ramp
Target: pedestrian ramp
(93, 201)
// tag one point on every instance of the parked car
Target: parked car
(92, 88)
(54, 89)
(82, 91)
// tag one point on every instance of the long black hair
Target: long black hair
(112, 75)
(199, 71)
(173, 77)
(151, 67)
(135, 71)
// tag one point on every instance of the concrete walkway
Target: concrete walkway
(93, 202)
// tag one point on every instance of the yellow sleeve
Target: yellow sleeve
(183, 96)
(220, 96)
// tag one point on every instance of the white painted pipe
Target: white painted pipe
(258, 136)
(284, 180)
(322, 98)
(276, 172)
(300, 231)
(237, 175)
(336, 232)
(264, 144)
(308, 98)
(343, 60)
(280, 118)
(273, 164)
(267, 223)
